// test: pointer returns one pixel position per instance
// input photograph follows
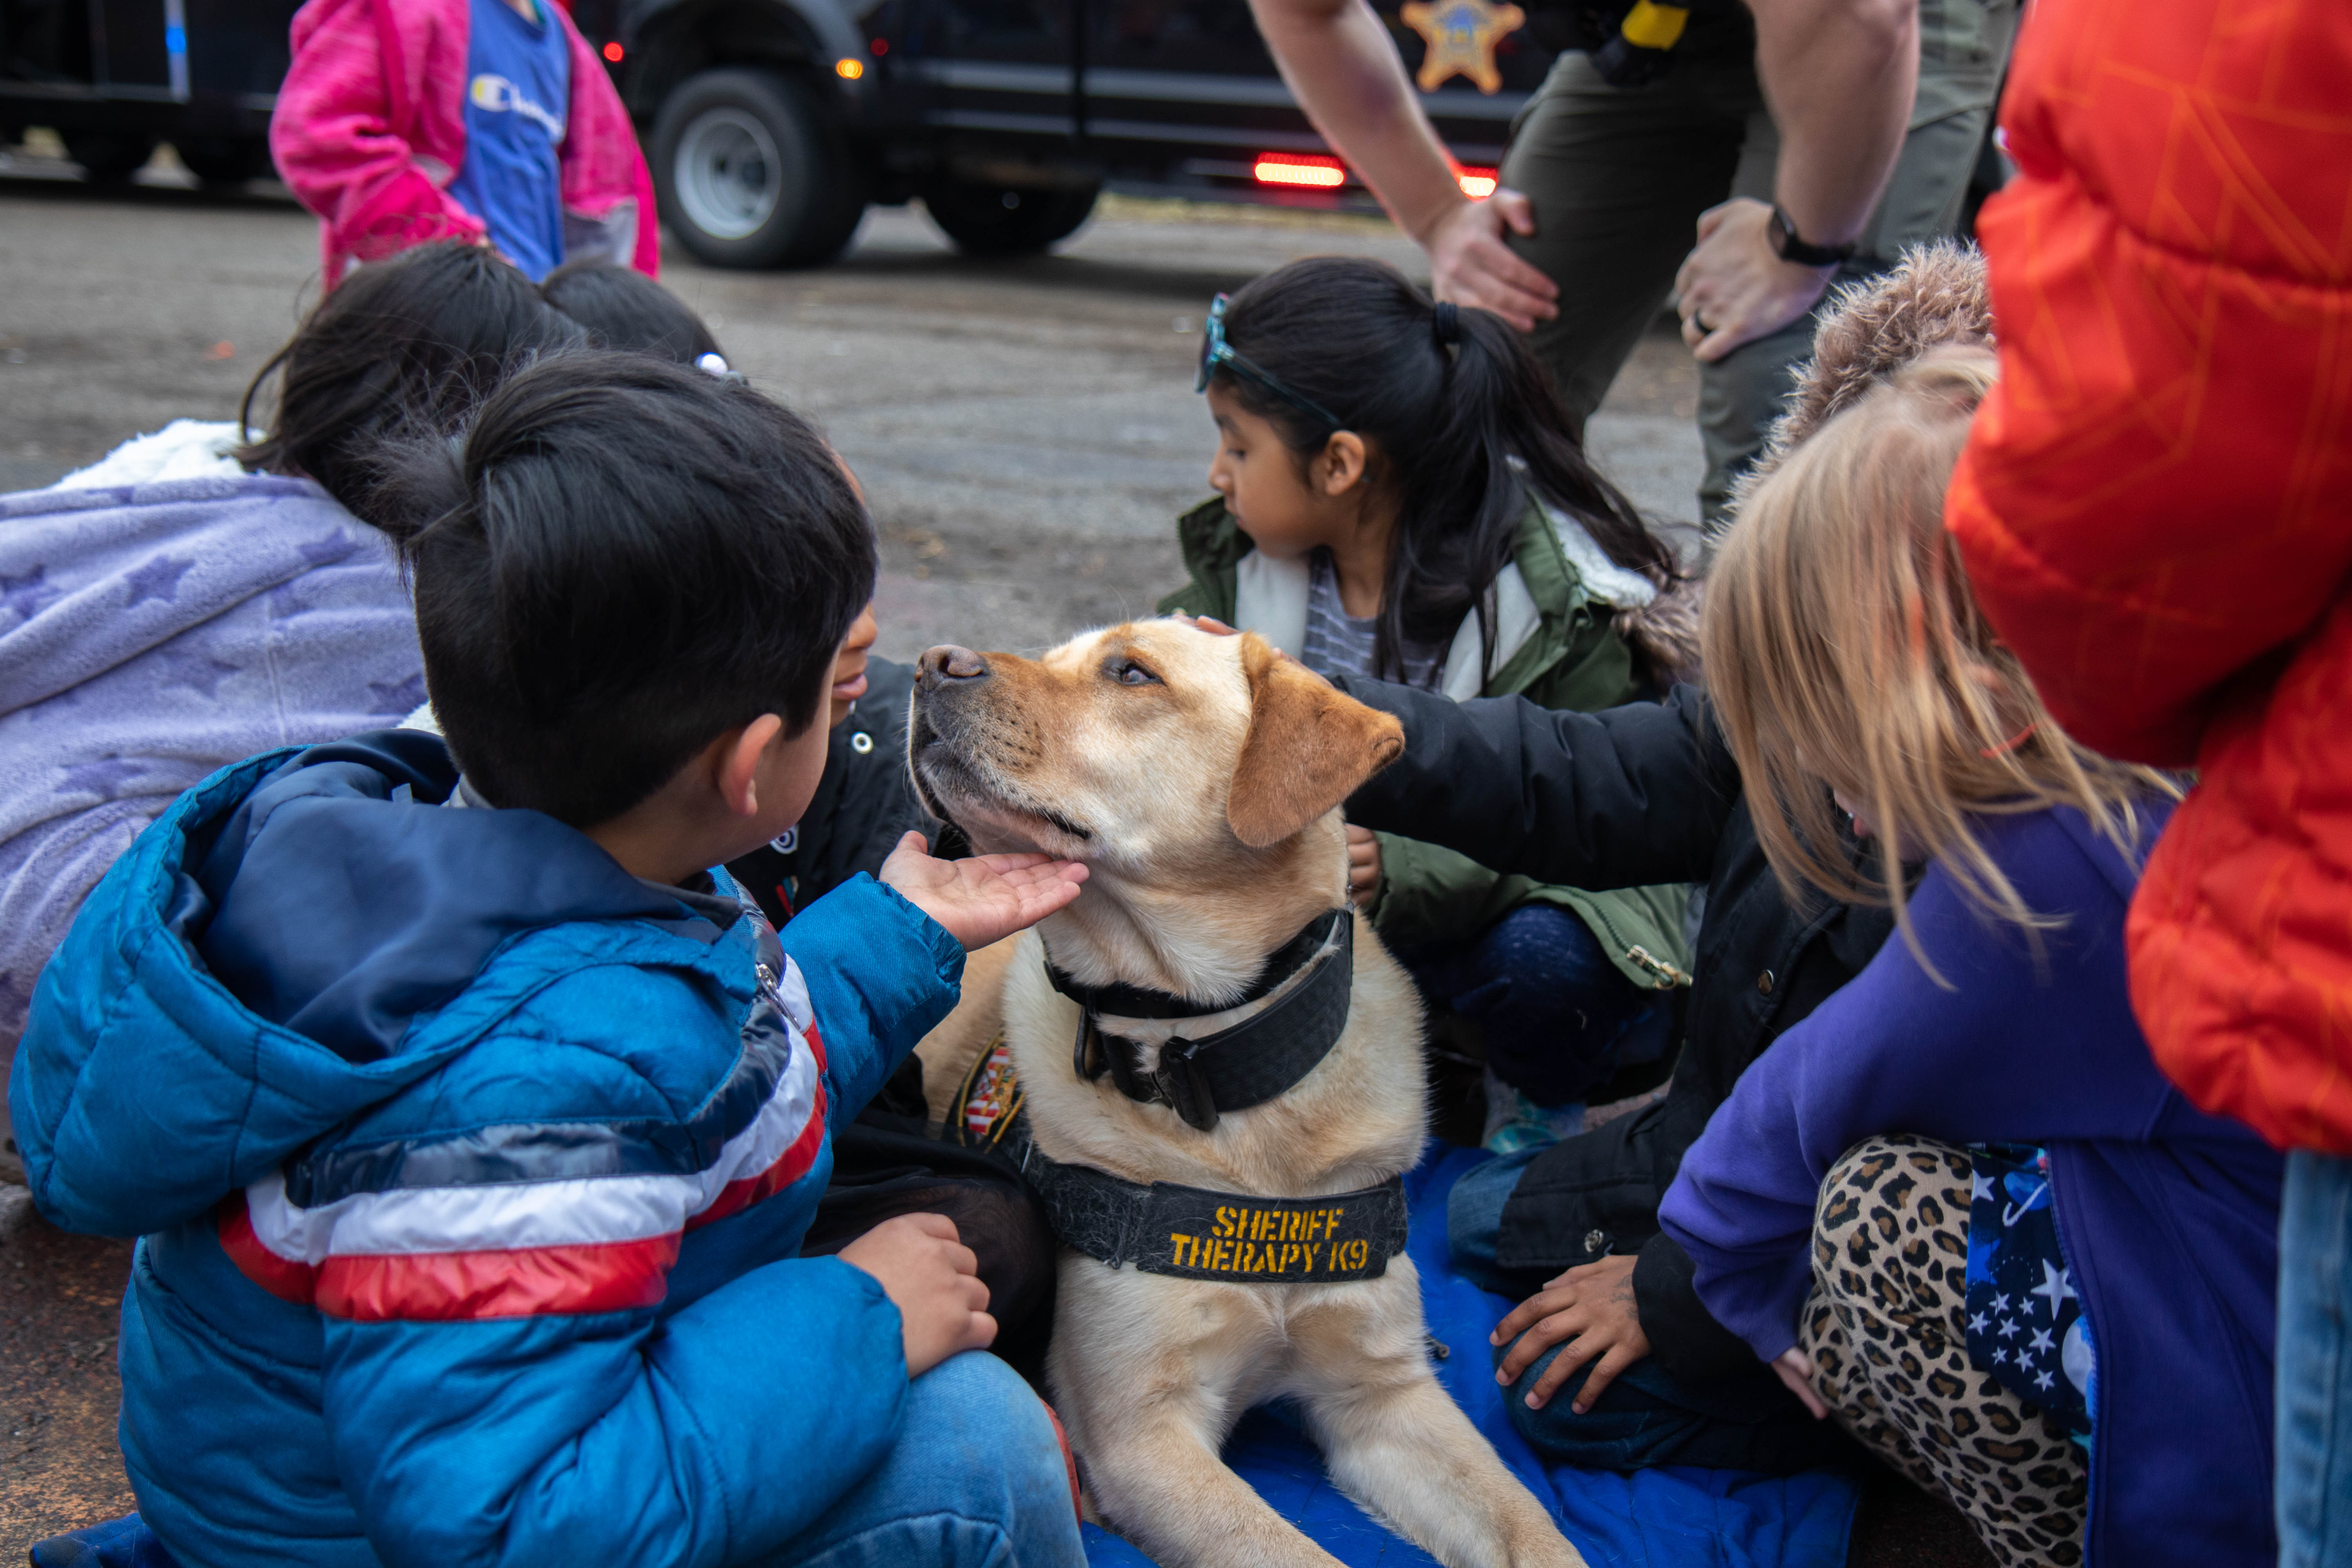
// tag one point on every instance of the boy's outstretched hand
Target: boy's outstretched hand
(985, 898)
(931, 1277)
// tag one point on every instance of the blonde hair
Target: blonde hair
(1844, 650)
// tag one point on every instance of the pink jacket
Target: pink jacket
(369, 129)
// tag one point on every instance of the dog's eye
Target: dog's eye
(1127, 672)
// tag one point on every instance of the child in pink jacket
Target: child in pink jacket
(403, 122)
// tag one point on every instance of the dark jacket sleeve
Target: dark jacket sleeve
(1683, 1336)
(864, 803)
(1621, 798)
(876, 804)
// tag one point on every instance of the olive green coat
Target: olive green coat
(1562, 651)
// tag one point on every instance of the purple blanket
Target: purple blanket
(151, 634)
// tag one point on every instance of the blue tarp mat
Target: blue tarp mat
(1669, 1517)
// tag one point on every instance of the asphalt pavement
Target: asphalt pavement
(1026, 429)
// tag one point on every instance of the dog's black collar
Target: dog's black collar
(1137, 1002)
(1252, 1062)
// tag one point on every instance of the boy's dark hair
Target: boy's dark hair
(624, 309)
(1354, 336)
(620, 560)
(419, 338)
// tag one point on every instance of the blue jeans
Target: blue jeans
(1648, 1416)
(1474, 1220)
(2315, 1363)
(1558, 1016)
(976, 1480)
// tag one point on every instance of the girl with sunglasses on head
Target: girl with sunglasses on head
(1398, 496)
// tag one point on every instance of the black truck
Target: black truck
(770, 125)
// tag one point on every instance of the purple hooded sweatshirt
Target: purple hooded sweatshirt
(2168, 1216)
(152, 633)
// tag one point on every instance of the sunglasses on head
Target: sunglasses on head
(1216, 354)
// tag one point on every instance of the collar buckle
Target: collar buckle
(1183, 1086)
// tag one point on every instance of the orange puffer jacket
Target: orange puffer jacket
(2156, 505)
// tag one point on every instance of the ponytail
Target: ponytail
(1454, 400)
(415, 343)
(411, 343)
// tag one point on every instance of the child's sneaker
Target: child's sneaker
(1515, 1123)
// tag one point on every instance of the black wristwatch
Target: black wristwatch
(1791, 245)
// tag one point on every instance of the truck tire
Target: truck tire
(226, 162)
(749, 172)
(110, 157)
(1005, 220)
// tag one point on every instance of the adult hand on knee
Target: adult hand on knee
(1470, 264)
(933, 1279)
(1796, 1370)
(1591, 1310)
(1734, 288)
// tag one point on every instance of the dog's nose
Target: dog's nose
(947, 662)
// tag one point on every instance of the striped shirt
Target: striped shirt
(1339, 643)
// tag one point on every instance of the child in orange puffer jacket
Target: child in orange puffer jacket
(2154, 510)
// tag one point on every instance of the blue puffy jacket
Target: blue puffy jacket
(471, 1171)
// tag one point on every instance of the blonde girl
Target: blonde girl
(1845, 649)
(1958, 1208)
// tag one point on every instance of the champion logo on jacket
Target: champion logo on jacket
(531, 1218)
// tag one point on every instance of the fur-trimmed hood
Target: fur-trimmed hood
(1936, 298)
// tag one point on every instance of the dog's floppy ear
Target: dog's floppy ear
(1309, 748)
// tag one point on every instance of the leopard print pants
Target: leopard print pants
(1886, 1328)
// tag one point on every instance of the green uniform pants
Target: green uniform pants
(1619, 175)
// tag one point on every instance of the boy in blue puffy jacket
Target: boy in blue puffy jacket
(471, 1125)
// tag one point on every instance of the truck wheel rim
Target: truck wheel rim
(730, 173)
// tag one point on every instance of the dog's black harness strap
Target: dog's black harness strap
(1193, 1233)
(1255, 1060)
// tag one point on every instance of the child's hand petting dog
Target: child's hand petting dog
(1590, 1306)
(1217, 628)
(985, 898)
(931, 1277)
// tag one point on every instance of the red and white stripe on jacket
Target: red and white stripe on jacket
(594, 1244)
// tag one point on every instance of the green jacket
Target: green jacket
(1561, 650)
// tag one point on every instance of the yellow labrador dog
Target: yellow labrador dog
(1217, 1080)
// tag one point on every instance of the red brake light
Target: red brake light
(1478, 184)
(613, 52)
(1300, 169)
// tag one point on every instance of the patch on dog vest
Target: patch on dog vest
(988, 1100)
(1188, 1233)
